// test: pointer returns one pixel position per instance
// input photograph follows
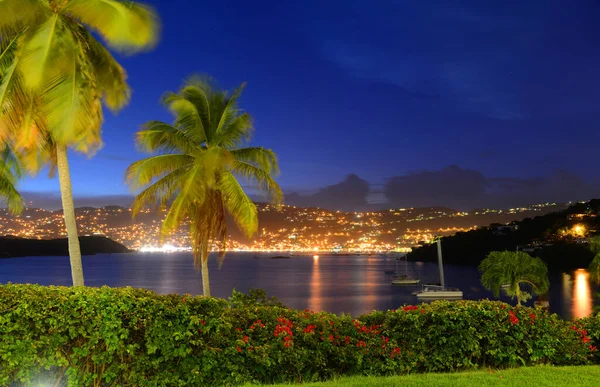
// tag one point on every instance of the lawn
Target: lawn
(530, 376)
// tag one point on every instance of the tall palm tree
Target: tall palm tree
(196, 165)
(594, 267)
(54, 77)
(10, 172)
(508, 270)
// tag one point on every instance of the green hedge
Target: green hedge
(125, 336)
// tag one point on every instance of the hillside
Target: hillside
(11, 247)
(281, 228)
(559, 238)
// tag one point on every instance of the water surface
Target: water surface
(348, 284)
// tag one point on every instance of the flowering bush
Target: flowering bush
(99, 336)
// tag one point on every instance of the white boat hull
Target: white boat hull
(440, 295)
(406, 282)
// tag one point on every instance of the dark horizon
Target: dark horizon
(482, 104)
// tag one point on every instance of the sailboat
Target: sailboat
(404, 279)
(439, 292)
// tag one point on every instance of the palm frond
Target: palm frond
(157, 136)
(238, 204)
(230, 110)
(16, 15)
(46, 45)
(144, 171)
(192, 192)
(109, 76)
(260, 177)
(187, 115)
(160, 192)
(10, 171)
(263, 158)
(73, 110)
(508, 269)
(126, 26)
(235, 132)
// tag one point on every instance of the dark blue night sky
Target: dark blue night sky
(461, 103)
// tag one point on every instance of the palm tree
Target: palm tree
(594, 267)
(196, 165)
(10, 171)
(508, 270)
(54, 77)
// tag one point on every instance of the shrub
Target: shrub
(103, 336)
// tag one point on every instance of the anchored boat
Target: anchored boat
(439, 292)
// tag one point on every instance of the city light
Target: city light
(287, 228)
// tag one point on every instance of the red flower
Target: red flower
(408, 308)
(513, 319)
(395, 352)
(422, 311)
(238, 349)
(250, 349)
(310, 328)
(245, 339)
(347, 340)
(287, 344)
(592, 348)
(330, 337)
(202, 322)
(238, 329)
(533, 316)
(585, 339)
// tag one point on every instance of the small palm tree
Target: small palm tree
(10, 172)
(508, 270)
(54, 77)
(196, 165)
(594, 267)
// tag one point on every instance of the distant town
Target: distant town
(282, 228)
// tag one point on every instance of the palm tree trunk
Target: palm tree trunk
(66, 194)
(518, 294)
(205, 281)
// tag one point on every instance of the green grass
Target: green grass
(530, 376)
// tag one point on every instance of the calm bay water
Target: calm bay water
(353, 284)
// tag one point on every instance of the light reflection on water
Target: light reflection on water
(582, 297)
(355, 284)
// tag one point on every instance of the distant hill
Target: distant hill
(11, 247)
(550, 237)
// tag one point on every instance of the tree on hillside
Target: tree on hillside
(196, 164)
(594, 267)
(509, 270)
(54, 77)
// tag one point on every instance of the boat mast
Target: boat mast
(440, 264)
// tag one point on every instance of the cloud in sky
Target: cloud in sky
(466, 189)
(451, 186)
(348, 195)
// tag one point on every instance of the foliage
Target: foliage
(10, 172)
(470, 248)
(507, 270)
(54, 74)
(196, 165)
(594, 267)
(99, 336)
